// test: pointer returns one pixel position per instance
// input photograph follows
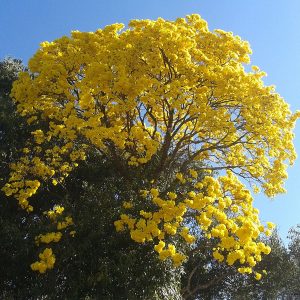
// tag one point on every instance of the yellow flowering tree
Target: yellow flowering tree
(171, 106)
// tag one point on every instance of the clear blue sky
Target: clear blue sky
(271, 27)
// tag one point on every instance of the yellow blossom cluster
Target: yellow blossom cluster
(55, 215)
(165, 86)
(47, 260)
(45, 164)
(21, 189)
(48, 238)
(221, 207)
(64, 224)
(127, 204)
(52, 214)
(170, 251)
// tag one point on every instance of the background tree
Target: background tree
(293, 289)
(11, 122)
(15, 224)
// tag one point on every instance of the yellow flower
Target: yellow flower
(193, 173)
(72, 233)
(180, 177)
(127, 204)
(257, 276)
(159, 247)
(271, 225)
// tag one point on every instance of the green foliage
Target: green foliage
(294, 251)
(17, 228)
(9, 69)
(13, 128)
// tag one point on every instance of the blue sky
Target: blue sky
(271, 27)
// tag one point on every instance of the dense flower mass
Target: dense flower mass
(47, 260)
(221, 208)
(173, 99)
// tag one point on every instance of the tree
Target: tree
(11, 122)
(293, 289)
(13, 222)
(156, 114)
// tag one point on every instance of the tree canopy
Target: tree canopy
(155, 134)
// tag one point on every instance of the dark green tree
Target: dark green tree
(15, 244)
(294, 251)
